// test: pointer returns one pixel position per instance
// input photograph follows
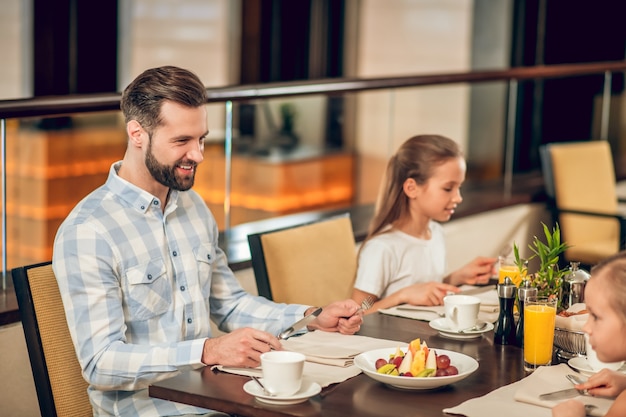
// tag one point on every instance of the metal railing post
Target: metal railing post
(509, 144)
(3, 138)
(228, 150)
(606, 105)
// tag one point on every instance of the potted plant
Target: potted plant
(549, 277)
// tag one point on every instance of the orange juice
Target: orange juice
(510, 271)
(539, 319)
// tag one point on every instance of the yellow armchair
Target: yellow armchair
(580, 184)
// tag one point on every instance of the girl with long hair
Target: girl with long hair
(403, 258)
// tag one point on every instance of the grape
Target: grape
(452, 370)
(443, 361)
(442, 372)
(380, 362)
(397, 361)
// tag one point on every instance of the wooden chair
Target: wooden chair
(312, 264)
(580, 184)
(61, 388)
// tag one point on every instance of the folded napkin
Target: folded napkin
(489, 308)
(329, 355)
(553, 378)
(521, 399)
(319, 348)
(574, 322)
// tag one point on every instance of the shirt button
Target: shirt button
(156, 203)
(175, 253)
(208, 256)
(182, 288)
(189, 321)
(149, 276)
(143, 207)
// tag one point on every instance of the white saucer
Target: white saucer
(444, 330)
(307, 390)
(580, 364)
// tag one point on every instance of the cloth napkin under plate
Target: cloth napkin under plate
(329, 355)
(521, 399)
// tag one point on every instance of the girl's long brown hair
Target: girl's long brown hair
(416, 158)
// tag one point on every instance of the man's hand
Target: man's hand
(340, 316)
(242, 347)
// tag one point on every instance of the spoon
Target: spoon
(474, 328)
(255, 379)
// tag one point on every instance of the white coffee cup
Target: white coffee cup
(595, 363)
(461, 311)
(282, 372)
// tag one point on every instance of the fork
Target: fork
(576, 381)
(366, 304)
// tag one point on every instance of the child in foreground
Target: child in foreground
(605, 297)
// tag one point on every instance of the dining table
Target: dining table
(499, 365)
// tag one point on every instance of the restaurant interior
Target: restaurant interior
(307, 102)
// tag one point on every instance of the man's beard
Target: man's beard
(166, 175)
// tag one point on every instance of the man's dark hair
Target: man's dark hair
(142, 99)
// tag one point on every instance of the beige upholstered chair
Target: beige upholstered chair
(313, 264)
(580, 180)
(61, 389)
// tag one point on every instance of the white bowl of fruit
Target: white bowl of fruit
(416, 366)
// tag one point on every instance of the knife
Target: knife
(561, 395)
(299, 324)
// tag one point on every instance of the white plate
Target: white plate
(307, 390)
(444, 330)
(366, 362)
(580, 364)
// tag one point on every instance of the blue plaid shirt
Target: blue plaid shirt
(139, 287)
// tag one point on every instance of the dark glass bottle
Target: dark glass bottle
(524, 290)
(504, 332)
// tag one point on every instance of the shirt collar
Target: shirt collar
(136, 197)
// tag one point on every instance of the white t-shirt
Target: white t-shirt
(394, 260)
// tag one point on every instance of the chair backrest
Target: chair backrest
(581, 176)
(313, 264)
(61, 388)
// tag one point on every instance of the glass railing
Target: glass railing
(277, 149)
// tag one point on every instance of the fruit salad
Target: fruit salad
(418, 361)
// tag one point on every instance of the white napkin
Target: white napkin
(327, 349)
(575, 322)
(521, 399)
(327, 354)
(489, 308)
(552, 378)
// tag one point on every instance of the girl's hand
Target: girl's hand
(479, 271)
(605, 383)
(569, 408)
(427, 293)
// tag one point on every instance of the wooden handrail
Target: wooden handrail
(52, 106)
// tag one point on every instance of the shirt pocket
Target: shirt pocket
(205, 256)
(149, 290)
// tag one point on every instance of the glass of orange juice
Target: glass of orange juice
(539, 320)
(507, 268)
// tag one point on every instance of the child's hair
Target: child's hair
(613, 270)
(416, 158)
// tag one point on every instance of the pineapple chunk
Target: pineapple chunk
(419, 362)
